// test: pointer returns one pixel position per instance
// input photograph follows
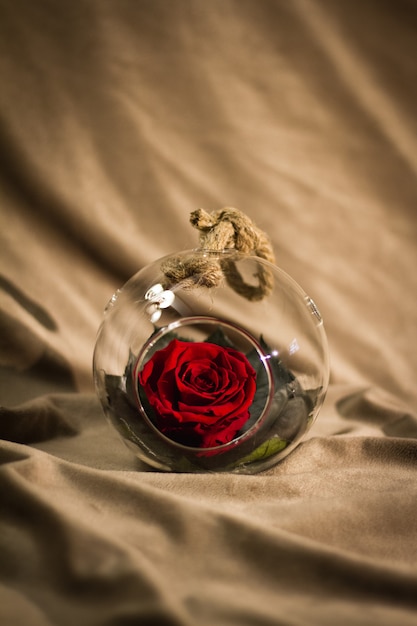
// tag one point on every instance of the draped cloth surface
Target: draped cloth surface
(117, 119)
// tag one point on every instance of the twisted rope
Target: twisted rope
(226, 228)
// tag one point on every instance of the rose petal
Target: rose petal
(225, 431)
(199, 392)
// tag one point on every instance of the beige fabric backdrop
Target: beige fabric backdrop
(117, 119)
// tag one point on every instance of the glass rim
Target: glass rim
(193, 320)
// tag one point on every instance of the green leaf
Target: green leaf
(219, 338)
(265, 450)
(282, 375)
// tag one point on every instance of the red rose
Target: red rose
(200, 392)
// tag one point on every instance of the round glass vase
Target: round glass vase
(197, 378)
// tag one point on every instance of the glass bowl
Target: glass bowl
(203, 377)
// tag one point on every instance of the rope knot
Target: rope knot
(227, 228)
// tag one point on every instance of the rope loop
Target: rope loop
(221, 230)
